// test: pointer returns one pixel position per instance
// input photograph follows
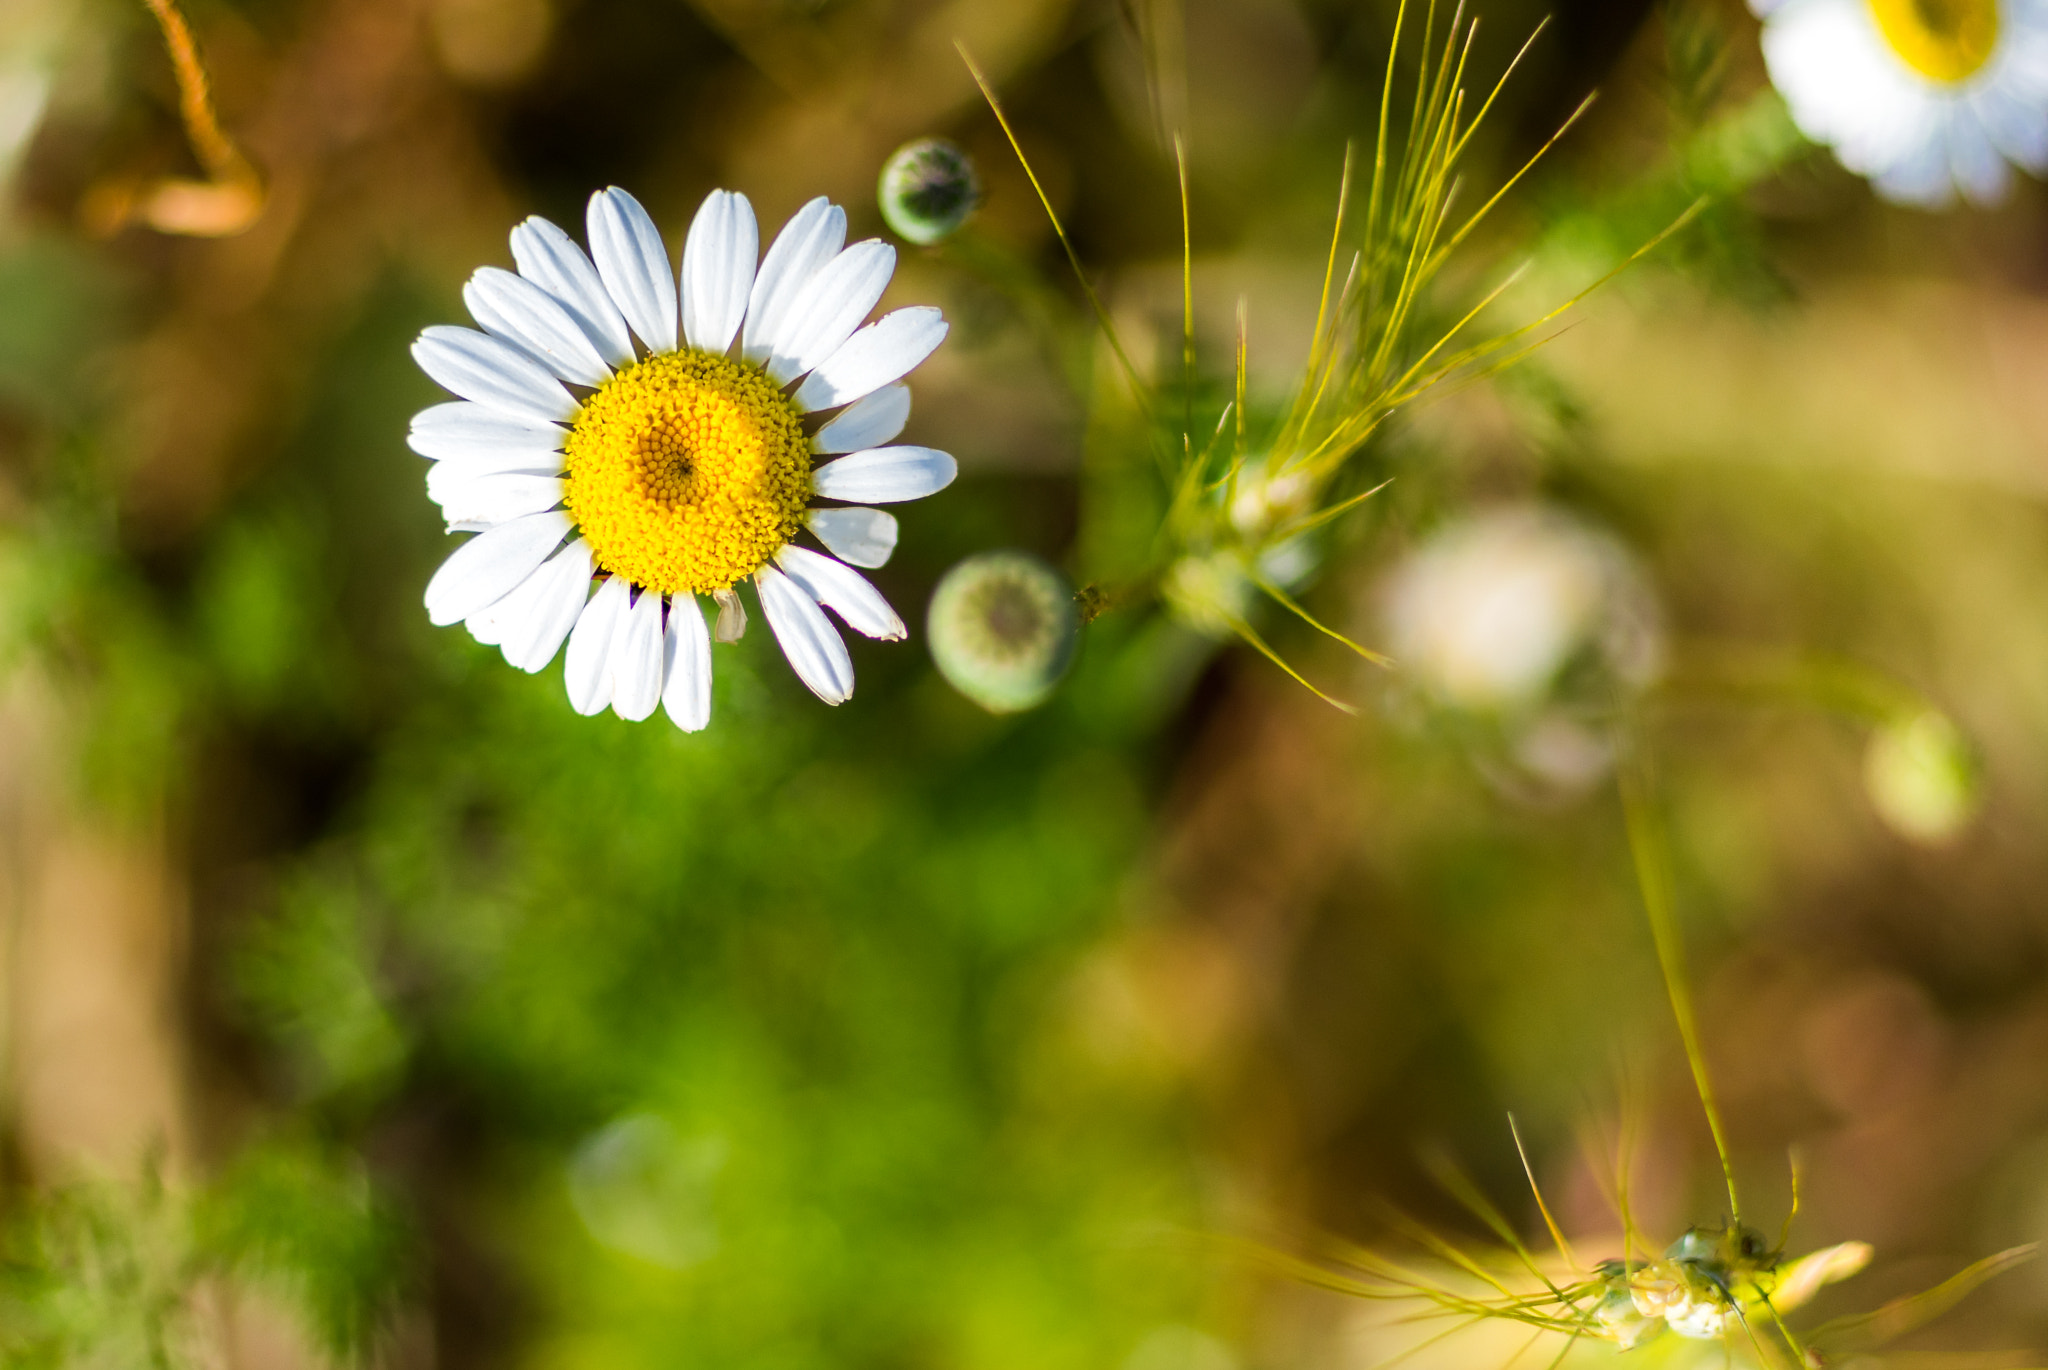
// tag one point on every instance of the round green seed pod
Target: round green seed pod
(1003, 629)
(928, 190)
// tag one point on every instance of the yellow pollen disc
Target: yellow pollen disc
(1943, 40)
(687, 472)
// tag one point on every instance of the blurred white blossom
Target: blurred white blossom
(1925, 99)
(1490, 611)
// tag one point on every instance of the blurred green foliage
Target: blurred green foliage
(829, 1037)
(830, 951)
(113, 1273)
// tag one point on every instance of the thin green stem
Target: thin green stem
(1653, 875)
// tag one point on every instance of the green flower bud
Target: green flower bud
(1922, 778)
(928, 189)
(1003, 629)
(1210, 592)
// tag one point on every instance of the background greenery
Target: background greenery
(478, 1033)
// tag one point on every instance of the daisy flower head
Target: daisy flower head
(1924, 97)
(628, 441)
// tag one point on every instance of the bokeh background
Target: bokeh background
(360, 1000)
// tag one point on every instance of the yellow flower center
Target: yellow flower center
(1943, 40)
(687, 472)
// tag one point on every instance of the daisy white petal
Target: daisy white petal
(466, 413)
(1980, 173)
(526, 461)
(634, 264)
(2019, 131)
(485, 626)
(844, 590)
(494, 374)
(866, 423)
(885, 475)
(636, 659)
(586, 671)
(499, 622)
(859, 537)
(686, 659)
(814, 648)
(825, 313)
(551, 259)
(810, 239)
(449, 486)
(1917, 175)
(718, 270)
(489, 624)
(491, 565)
(885, 350)
(462, 431)
(491, 497)
(552, 599)
(519, 312)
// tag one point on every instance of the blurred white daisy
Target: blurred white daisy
(1924, 97)
(678, 468)
(1524, 615)
(1490, 610)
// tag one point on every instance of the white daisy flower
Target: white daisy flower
(1491, 609)
(1924, 97)
(678, 468)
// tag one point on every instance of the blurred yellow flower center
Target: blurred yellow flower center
(1944, 40)
(687, 472)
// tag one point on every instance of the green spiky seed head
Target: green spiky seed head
(928, 190)
(1003, 629)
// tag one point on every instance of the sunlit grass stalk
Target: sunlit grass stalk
(227, 201)
(1719, 1283)
(1238, 500)
(1139, 393)
(1652, 857)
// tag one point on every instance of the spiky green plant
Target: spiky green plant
(1240, 499)
(1723, 1289)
